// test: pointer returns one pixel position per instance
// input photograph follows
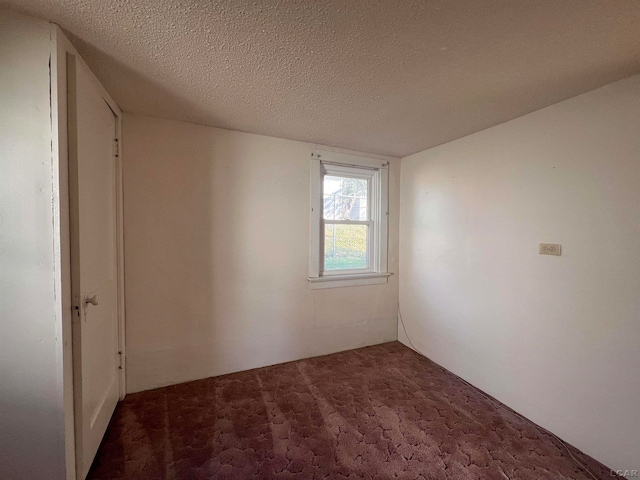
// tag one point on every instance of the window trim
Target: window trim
(372, 177)
(379, 216)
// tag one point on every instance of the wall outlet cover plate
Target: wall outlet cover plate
(550, 249)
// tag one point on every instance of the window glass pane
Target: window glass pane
(345, 198)
(345, 246)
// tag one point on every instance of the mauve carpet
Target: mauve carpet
(380, 412)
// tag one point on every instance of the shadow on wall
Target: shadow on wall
(208, 247)
(147, 90)
(216, 258)
(191, 219)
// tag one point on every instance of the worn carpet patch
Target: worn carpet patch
(380, 412)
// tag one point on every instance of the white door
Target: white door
(92, 187)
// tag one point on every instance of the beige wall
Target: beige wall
(31, 381)
(216, 255)
(556, 338)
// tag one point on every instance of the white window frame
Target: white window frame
(377, 174)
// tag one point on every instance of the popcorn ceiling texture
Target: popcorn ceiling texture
(389, 77)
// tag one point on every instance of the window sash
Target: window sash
(376, 173)
(345, 271)
(348, 172)
(357, 173)
(348, 222)
(370, 243)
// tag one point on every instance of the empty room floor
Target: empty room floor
(378, 412)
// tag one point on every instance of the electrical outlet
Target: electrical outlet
(550, 249)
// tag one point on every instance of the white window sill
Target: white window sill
(351, 280)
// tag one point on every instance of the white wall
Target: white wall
(555, 338)
(216, 257)
(31, 392)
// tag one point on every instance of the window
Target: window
(348, 220)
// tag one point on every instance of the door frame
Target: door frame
(64, 55)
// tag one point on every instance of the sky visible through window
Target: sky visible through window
(345, 245)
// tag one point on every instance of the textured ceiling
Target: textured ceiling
(390, 77)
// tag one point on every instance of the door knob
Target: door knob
(93, 300)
